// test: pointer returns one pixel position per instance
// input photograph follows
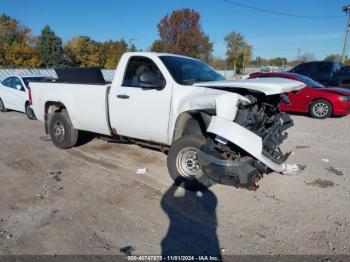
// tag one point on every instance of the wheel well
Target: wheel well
(320, 99)
(194, 123)
(51, 107)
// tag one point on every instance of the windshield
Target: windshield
(188, 71)
(308, 81)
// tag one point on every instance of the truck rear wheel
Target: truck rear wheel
(183, 164)
(62, 132)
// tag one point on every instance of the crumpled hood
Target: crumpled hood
(268, 86)
(336, 90)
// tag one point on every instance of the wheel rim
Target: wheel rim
(320, 109)
(59, 131)
(187, 163)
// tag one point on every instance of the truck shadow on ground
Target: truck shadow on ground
(193, 223)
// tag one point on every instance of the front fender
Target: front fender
(225, 104)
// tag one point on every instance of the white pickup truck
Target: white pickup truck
(213, 130)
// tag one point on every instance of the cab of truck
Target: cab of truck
(320, 71)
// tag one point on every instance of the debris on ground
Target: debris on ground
(127, 250)
(334, 170)
(293, 169)
(325, 160)
(141, 171)
(301, 147)
(45, 138)
(56, 176)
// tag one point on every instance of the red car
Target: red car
(319, 101)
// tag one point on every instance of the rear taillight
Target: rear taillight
(30, 95)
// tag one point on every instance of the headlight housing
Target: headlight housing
(344, 98)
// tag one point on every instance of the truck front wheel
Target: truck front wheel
(62, 132)
(183, 164)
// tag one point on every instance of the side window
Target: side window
(323, 68)
(136, 66)
(17, 84)
(337, 66)
(8, 82)
(304, 69)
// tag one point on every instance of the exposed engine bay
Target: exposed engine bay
(227, 162)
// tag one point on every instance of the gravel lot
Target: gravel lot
(89, 200)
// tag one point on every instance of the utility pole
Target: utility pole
(225, 66)
(299, 50)
(244, 55)
(346, 9)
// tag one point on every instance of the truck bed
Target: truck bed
(83, 102)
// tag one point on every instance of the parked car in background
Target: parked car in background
(322, 71)
(14, 94)
(342, 77)
(315, 99)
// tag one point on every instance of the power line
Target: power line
(281, 13)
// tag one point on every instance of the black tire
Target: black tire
(30, 112)
(61, 130)
(2, 106)
(320, 109)
(194, 180)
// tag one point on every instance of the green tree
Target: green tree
(331, 58)
(278, 61)
(16, 44)
(159, 46)
(83, 51)
(218, 63)
(259, 61)
(307, 57)
(181, 33)
(50, 49)
(112, 51)
(238, 51)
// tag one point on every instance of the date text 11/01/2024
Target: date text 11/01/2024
(173, 258)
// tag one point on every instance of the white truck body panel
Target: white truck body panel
(145, 114)
(85, 104)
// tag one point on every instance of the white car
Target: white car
(14, 94)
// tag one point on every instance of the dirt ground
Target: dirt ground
(89, 200)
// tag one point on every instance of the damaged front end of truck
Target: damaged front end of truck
(244, 138)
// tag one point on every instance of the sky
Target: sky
(136, 21)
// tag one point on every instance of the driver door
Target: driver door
(138, 111)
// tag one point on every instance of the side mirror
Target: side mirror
(19, 87)
(151, 80)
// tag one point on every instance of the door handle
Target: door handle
(123, 96)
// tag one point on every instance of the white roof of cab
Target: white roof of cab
(157, 54)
